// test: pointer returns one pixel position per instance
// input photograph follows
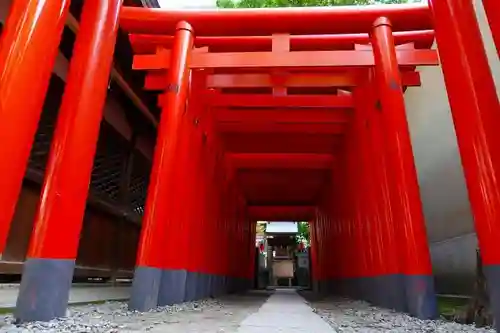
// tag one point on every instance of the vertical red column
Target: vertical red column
(476, 112)
(220, 206)
(405, 196)
(327, 252)
(334, 211)
(320, 231)
(359, 259)
(396, 295)
(228, 199)
(341, 211)
(210, 210)
(320, 252)
(48, 271)
(229, 226)
(185, 219)
(202, 224)
(253, 253)
(157, 218)
(348, 257)
(492, 9)
(333, 263)
(314, 254)
(208, 196)
(340, 248)
(390, 288)
(371, 219)
(28, 48)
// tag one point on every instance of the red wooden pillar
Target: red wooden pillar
(476, 112)
(325, 253)
(335, 212)
(349, 259)
(184, 212)
(253, 253)
(328, 249)
(390, 289)
(157, 215)
(221, 193)
(221, 190)
(358, 263)
(314, 253)
(28, 48)
(237, 249)
(492, 9)
(363, 240)
(236, 239)
(334, 208)
(405, 199)
(229, 226)
(207, 198)
(368, 202)
(48, 271)
(246, 241)
(340, 210)
(320, 256)
(218, 188)
(229, 217)
(333, 246)
(202, 224)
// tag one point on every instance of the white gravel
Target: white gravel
(108, 317)
(355, 316)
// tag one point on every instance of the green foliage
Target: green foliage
(298, 3)
(303, 234)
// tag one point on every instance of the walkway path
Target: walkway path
(284, 311)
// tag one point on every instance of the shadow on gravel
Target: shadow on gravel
(252, 296)
(310, 296)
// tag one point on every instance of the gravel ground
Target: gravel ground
(225, 315)
(206, 316)
(355, 316)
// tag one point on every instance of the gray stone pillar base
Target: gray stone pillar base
(172, 287)
(229, 285)
(389, 292)
(224, 285)
(44, 291)
(492, 273)
(216, 286)
(145, 288)
(315, 286)
(203, 287)
(192, 281)
(421, 296)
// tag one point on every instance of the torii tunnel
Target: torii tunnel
(267, 114)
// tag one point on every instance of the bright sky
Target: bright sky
(187, 3)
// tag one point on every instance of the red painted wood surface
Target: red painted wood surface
(28, 51)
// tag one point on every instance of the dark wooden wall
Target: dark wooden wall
(119, 181)
(117, 194)
(107, 246)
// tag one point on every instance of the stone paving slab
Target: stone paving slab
(285, 311)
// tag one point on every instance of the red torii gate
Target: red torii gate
(194, 181)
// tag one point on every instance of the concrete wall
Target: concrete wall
(446, 206)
